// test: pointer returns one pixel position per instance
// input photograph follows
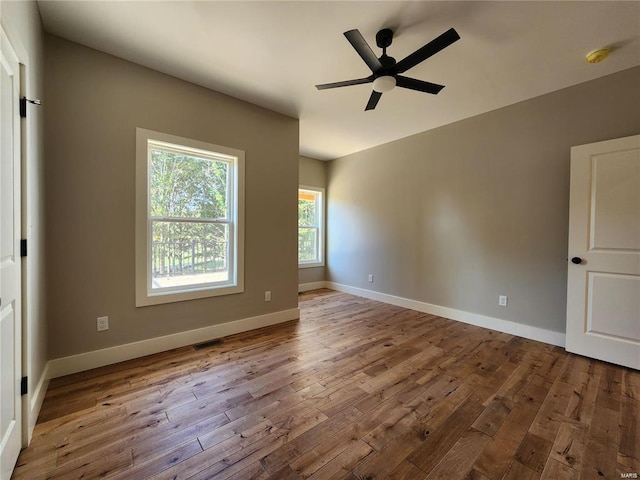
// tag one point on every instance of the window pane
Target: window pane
(183, 185)
(307, 244)
(307, 210)
(189, 254)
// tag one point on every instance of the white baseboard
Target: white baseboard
(305, 287)
(107, 356)
(506, 326)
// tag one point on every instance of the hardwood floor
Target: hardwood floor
(356, 389)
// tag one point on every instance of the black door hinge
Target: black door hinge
(23, 247)
(23, 105)
(24, 386)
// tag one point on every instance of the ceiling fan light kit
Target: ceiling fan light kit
(386, 72)
(385, 83)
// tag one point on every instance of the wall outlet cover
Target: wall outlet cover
(103, 324)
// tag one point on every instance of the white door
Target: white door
(10, 318)
(603, 296)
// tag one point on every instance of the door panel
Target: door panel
(10, 285)
(603, 294)
(616, 201)
(616, 297)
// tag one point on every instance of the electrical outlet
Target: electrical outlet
(267, 296)
(371, 277)
(502, 300)
(103, 323)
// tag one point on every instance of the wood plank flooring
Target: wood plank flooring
(356, 389)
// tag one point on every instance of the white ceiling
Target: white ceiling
(273, 53)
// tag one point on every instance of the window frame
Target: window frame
(321, 227)
(145, 296)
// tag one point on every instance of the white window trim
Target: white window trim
(142, 231)
(322, 227)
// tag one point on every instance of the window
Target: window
(310, 227)
(189, 219)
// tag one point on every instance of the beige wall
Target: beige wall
(22, 23)
(94, 104)
(460, 214)
(313, 173)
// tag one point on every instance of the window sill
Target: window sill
(172, 297)
(310, 265)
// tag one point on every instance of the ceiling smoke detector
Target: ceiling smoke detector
(598, 55)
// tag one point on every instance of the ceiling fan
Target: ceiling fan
(386, 73)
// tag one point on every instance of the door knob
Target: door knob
(576, 260)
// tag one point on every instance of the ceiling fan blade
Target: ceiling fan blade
(419, 85)
(431, 48)
(361, 46)
(346, 83)
(373, 100)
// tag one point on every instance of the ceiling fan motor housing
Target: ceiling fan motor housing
(387, 62)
